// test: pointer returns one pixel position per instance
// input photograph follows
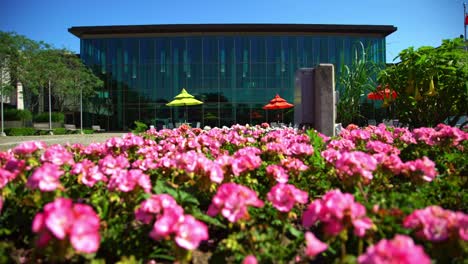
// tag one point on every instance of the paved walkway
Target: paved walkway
(10, 141)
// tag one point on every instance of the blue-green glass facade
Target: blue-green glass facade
(235, 75)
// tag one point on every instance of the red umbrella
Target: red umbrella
(277, 103)
(380, 94)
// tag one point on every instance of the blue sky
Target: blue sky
(419, 22)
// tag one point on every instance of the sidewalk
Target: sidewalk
(11, 141)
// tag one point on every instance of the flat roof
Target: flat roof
(128, 30)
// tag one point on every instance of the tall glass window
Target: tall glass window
(235, 75)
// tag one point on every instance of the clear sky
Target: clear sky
(419, 22)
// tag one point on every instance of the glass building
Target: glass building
(234, 69)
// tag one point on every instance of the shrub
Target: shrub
(88, 131)
(17, 115)
(140, 127)
(60, 131)
(20, 131)
(44, 117)
(430, 83)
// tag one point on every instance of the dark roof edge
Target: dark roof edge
(384, 30)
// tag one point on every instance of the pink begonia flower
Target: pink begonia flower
(245, 159)
(166, 224)
(45, 178)
(331, 155)
(232, 200)
(84, 234)
(401, 249)
(190, 232)
(334, 210)
(313, 245)
(342, 144)
(404, 135)
(356, 163)
(380, 147)
(109, 164)
(435, 224)
(117, 142)
(383, 134)
(358, 134)
(299, 149)
(293, 164)
(390, 162)
(445, 134)
(10, 168)
(132, 140)
(423, 168)
(59, 217)
(62, 219)
(170, 220)
(29, 147)
(126, 181)
(284, 196)
(58, 155)
(278, 173)
(216, 173)
(95, 149)
(250, 259)
(275, 147)
(424, 134)
(194, 162)
(88, 172)
(154, 206)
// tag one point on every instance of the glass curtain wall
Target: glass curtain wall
(233, 75)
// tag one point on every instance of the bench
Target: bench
(43, 127)
(97, 128)
(70, 127)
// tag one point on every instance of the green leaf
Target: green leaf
(295, 232)
(195, 212)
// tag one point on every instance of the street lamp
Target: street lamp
(2, 133)
(81, 109)
(50, 112)
(1, 94)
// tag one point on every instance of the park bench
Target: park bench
(97, 128)
(70, 127)
(42, 127)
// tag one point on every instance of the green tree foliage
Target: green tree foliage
(36, 64)
(431, 83)
(355, 80)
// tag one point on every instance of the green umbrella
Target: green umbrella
(184, 99)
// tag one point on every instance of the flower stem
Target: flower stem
(359, 184)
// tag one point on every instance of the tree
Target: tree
(431, 83)
(36, 64)
(76, 78)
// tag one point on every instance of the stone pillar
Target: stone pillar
(325, 107)
(304, 97)
(314, 98)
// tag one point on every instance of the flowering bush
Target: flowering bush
(240, 195)
(337, 211)
(401, 249)
(62, 219)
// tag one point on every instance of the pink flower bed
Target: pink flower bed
(239, 193)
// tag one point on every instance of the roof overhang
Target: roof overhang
(201, 29)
